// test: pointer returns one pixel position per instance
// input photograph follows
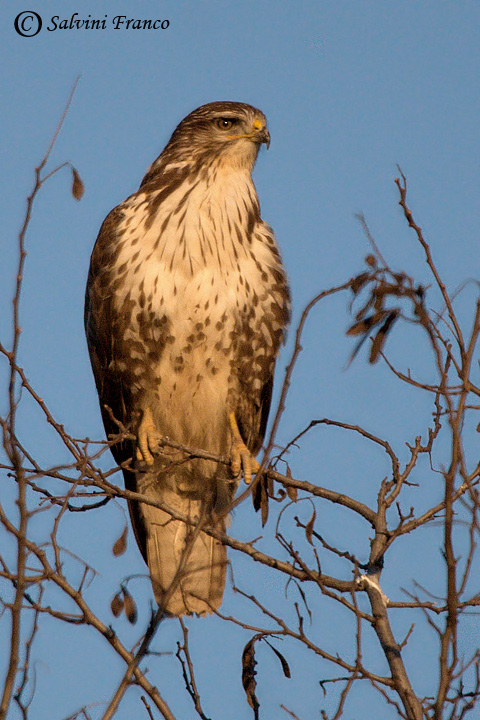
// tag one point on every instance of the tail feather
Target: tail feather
(187, 566)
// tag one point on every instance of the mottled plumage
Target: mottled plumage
(186, 307)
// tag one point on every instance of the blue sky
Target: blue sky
(350, 89)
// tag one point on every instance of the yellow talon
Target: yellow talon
(242, 458)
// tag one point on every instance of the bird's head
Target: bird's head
(229, 132)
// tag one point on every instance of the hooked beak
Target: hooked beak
(263, 136)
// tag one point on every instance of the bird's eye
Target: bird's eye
(225, 123)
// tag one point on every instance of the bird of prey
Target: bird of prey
(187, 303)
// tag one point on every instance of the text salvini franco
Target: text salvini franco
(119, 22)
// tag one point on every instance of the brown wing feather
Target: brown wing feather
(103, 328)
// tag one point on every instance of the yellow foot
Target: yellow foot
(242, 458)
(147, 438)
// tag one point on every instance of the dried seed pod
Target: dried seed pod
(78, 188)
(309, 527)
(248, 674)
(381, 336)
(116, 606)
(292, 492)
(358, 282)
(364, 325)
(130, 607)
(121, 544)
(285, 665)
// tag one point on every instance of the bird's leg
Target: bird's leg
(147, 438)
(242, 458)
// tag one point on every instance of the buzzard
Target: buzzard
(187, 303)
